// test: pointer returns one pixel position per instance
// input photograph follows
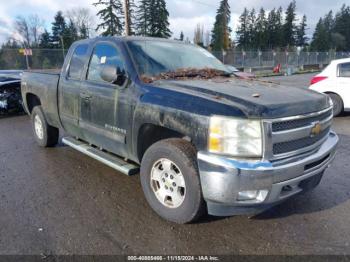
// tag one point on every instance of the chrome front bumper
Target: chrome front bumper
(224, 178)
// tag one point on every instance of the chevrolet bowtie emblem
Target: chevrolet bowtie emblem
(316, 129)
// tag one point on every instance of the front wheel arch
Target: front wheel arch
(150, 134)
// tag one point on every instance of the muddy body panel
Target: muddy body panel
(247, 98)
(44, 86)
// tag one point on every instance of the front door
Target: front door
(69, 97)
(101, 102)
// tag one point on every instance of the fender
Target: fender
(163, 110)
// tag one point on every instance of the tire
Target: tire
(338, 105)
(183, 159)
(45, 135)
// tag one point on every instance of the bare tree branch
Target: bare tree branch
(82, 19)
(36, 27)
(29, 29)
(22, 28)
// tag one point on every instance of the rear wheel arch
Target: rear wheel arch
(32, 101)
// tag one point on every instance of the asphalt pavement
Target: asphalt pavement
(58, 201)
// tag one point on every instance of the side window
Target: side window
(77, 62)
(344, 70)
(104, 54)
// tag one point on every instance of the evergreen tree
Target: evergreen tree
(143, 17)
(320, 40)
(260, 39)
(221, 39)
(333, 32)
(342, 25)
(251, 28)
(181, 36)
(58, 28)
(328, 21)
(270, 28)
(44, 40)
(274, 34)
(112, 17)
(153, 19)
(70, 35)
(159, 19)
(328, 24)
(279, 28)
(301, 34)
(289, 27)
(242, 31)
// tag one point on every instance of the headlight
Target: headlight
(235, 137)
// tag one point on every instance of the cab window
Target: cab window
(104, 54)
(344, 70)
(77, 62)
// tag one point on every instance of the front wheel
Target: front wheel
(45, 135)
(170, 181)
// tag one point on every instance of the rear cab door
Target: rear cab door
(343, 83)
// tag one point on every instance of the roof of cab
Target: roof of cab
(129, 38)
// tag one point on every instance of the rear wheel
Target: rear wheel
(338, 105)
(170, 181)
(45, 135)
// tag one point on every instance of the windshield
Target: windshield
(154, 58)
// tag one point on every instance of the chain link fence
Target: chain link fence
(38, 59)
(249, 60)
(258, 61)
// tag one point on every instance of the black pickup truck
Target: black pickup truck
(205, 141)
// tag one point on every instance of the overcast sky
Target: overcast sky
(184, 14)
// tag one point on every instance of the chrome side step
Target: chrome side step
(110, 160)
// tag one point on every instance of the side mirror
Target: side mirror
(112, 74)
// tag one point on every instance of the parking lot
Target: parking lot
(58, 201)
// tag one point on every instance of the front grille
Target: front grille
(294, 145)
(293, 136)
(297, 123)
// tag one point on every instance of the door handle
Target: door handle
(85, 96)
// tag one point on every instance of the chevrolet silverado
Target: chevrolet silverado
(202, 140)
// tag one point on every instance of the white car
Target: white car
(335, 81)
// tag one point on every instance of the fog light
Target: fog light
(258, 195)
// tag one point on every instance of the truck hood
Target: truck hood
(254, 98)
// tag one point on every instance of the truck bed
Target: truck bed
(44, 85)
